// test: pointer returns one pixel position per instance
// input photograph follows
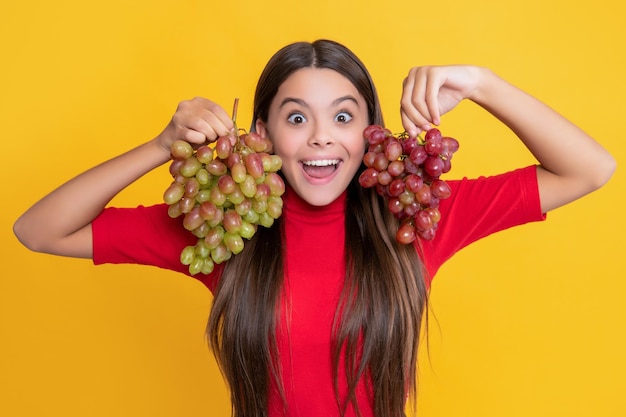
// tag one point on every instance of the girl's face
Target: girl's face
(316, 122)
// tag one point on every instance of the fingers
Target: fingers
(431, 97)
(200, 120)
(419, 105)
(414, 109)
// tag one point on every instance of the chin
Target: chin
(321, 198)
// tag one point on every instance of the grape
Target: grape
(214, 237)
(263, 192)
(423, 221)
(187, 255)
(226, 184)
(406, 233)
(433, 134)
(186, 204)
(257, 143)
(368, 158)
(174, 210)
(376, 136)
(254, 165)
(233, 242)
(423, 195)
(248, 186)
(181, 150)
(204, 154)
(380, 162)
(433, 166)
(265, 219)
(371, 129)
(406, 197)
(413, 182)
(190, 167)
(396, 187)
(395, 206)
(368, 178)
(276, 184)
(274, 209)
(406, 172)
(175, 167)
(232, 221)
(396, 168)
(224, 191)
(277, 163)
(223, 147)
(247, 229)
(192, 187)
(384, 178)
(238, 172)
(408, 145)
(244, 207)
(236, 197)
(418, 155)
(393, 150)
(450, 144)
(216, 167)
(174, 193)
(217, 196)
(440, 189)
(202, 176)
(260, 206)
(193, 219)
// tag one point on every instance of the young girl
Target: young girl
(320, 314)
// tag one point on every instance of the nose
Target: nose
(321, 136)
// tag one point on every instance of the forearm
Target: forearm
(60, 222)
(574, 163)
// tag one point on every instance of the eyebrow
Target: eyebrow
(304, 103)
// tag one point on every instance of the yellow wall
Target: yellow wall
(526, 323)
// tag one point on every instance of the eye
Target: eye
(343, 117)
(296, 118)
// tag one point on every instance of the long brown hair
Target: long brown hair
(378, 320)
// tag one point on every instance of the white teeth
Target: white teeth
(321, 162)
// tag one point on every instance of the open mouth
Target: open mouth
(320, 168)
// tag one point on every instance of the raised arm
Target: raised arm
(572, 163)
(60, 223)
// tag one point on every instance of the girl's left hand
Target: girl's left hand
(431, 91)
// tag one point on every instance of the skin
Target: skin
(317, 117)
(572, 163)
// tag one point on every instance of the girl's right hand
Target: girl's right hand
(196, 121)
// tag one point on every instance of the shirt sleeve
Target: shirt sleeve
(479, 207)
(144, 236)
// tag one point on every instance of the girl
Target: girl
(320, 314)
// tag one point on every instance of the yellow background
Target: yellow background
(529, 322)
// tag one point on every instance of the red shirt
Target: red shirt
(314, 268)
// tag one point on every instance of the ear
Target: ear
(260, 128)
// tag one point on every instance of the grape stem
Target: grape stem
(238, 140)
(235, 105)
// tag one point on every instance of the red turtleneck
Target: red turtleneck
(315, 268)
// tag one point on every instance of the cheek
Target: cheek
(356, 156)
(360, 147)
(287, 143)
(281, 147)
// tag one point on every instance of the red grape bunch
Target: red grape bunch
(224, 191)
(406, 172)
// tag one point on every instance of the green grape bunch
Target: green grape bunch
(224, 190)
